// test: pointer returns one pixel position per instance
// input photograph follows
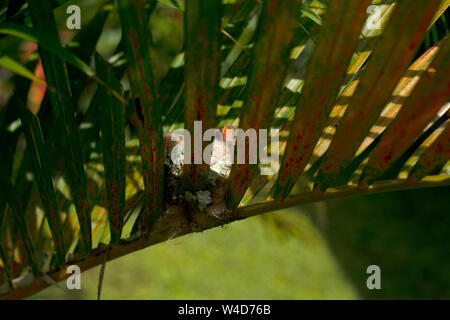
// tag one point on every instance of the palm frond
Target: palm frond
(358, 111)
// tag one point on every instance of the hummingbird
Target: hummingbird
(221, 155)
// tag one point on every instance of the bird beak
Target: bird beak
(224, 132)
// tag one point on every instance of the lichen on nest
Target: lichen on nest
(180, 192)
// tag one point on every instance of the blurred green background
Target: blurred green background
(317, 251)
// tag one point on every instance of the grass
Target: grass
(245, 260)
(315, 251)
